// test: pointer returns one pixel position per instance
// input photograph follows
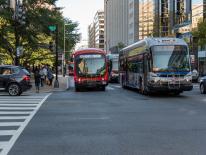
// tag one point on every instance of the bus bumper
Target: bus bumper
(91, 84)
(170, 88)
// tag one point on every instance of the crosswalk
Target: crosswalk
(15, 114)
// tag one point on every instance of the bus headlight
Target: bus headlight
(79, 80)
(153, 78)
(188, 77)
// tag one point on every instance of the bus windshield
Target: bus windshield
(170, 58)
(90, 65)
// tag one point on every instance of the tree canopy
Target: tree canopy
(34, 35)
(199, 33)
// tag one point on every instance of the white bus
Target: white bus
(156, 64)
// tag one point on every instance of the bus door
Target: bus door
(145, 68)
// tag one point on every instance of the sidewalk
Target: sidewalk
(63, 86)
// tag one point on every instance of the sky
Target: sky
(81, 11)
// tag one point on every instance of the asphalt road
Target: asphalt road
(116, 122)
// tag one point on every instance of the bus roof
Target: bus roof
(156, 41)
(89, 50)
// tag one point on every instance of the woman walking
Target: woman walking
(37, 78)
(50, 76)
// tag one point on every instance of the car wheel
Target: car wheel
(202, 89)
(14, 89)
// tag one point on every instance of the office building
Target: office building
(133, 21)
(96, 31)
(146, 18)
(116, 24)
(91, 35)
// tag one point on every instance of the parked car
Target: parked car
(14, 79)
(195, 75)
(203, 85)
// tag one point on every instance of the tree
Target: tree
(199, 32)
(35, 32)
(120, 46)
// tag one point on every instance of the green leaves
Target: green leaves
(199, 33)
(39, 15)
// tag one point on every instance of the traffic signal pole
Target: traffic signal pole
(16, 45)
(56, 83)
(19, 20)
(16, 32)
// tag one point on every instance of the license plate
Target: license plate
(172, 82)
(104, 82)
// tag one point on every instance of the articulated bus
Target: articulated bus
(90, 69)
(156, 65)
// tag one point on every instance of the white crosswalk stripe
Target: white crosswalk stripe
(16, 112)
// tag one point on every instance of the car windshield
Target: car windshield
(26, 71)
(71, 66)
(115, 65)
(90, 65)
(170, 58)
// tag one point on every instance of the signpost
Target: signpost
(52, 28)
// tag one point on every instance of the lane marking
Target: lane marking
(13, 139)
(117, 86)
(92, 118)
(109, 88)
(3, 144)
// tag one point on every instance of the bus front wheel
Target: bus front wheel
(77, 89)
(103, 88)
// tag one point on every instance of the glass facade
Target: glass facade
(146, 18)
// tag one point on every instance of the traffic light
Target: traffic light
(21, 15)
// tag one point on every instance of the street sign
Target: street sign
(19, 51)
(192, 58)
(52, 28)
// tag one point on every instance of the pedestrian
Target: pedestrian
(41, 72)
(45, 73)
(37, 79)
(50, 76)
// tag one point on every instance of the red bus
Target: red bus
(90, 69)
